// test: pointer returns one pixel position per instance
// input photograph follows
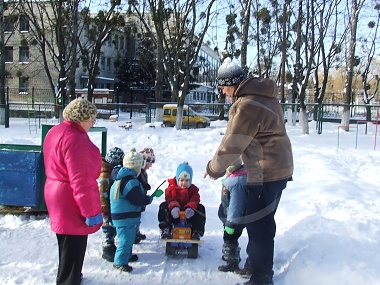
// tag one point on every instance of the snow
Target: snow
(327, 221)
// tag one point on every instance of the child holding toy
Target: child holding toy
(182, 195)
(127, 199)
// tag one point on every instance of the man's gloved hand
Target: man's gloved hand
(95, 220)
(229, 230)
(189, 213)
(157, 193)
(175, 212)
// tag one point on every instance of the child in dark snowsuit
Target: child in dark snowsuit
(113, 158)
(182, 195)
(231, 212)
(127, 199)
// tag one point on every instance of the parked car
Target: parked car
(190, 118)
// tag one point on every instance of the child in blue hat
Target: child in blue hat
(182, 195)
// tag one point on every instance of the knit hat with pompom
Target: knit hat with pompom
(148, 154)
(114, 156)
(134, 160)
(230, 74)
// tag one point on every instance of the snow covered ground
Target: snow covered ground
(327, 221)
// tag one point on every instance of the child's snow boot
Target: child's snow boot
(139, 235)
(133, 258)
(165, 233)
(196, 235)
(109, 252)
(165, 230)
(231, 254)
(231, 250)
(125, 268)
(231, 266)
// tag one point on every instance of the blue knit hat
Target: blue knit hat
(184, 170)
(114, 156)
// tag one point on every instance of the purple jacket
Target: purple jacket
(72, 166)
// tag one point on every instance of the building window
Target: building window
(24, 23)
(23, 85)
(8, 54)
(8, 25)
(24, 54)
(102, 63)
(109, 64)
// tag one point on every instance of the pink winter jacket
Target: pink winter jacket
(72, 166)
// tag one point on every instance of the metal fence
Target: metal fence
(36, 98)
(41, 103)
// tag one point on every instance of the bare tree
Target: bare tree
(98, 28)
(283, 20)
(232, 34)
(267, 38)
(330, 46)
(180, 28)
(246, 15)
(351, 59)
(297, 65)
(366, 74)
(52, 26)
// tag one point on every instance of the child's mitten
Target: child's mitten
(175, 212)
(189, 213)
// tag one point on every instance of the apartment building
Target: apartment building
(25, 67)
(23, 61)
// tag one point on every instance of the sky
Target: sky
(327, 220)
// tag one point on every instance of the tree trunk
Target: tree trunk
(297, 63)
(179, 118)
(355, 8)
(304, 122)
(283, 54)
(221, 100)
(244, 34)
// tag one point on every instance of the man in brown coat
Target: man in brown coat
(256, 131)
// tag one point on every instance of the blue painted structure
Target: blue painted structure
(20, 177)
(22, 171)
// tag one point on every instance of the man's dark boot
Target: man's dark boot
(246, 271)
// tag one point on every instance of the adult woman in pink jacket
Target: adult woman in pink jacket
(72, 165)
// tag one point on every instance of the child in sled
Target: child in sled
(182, 195)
